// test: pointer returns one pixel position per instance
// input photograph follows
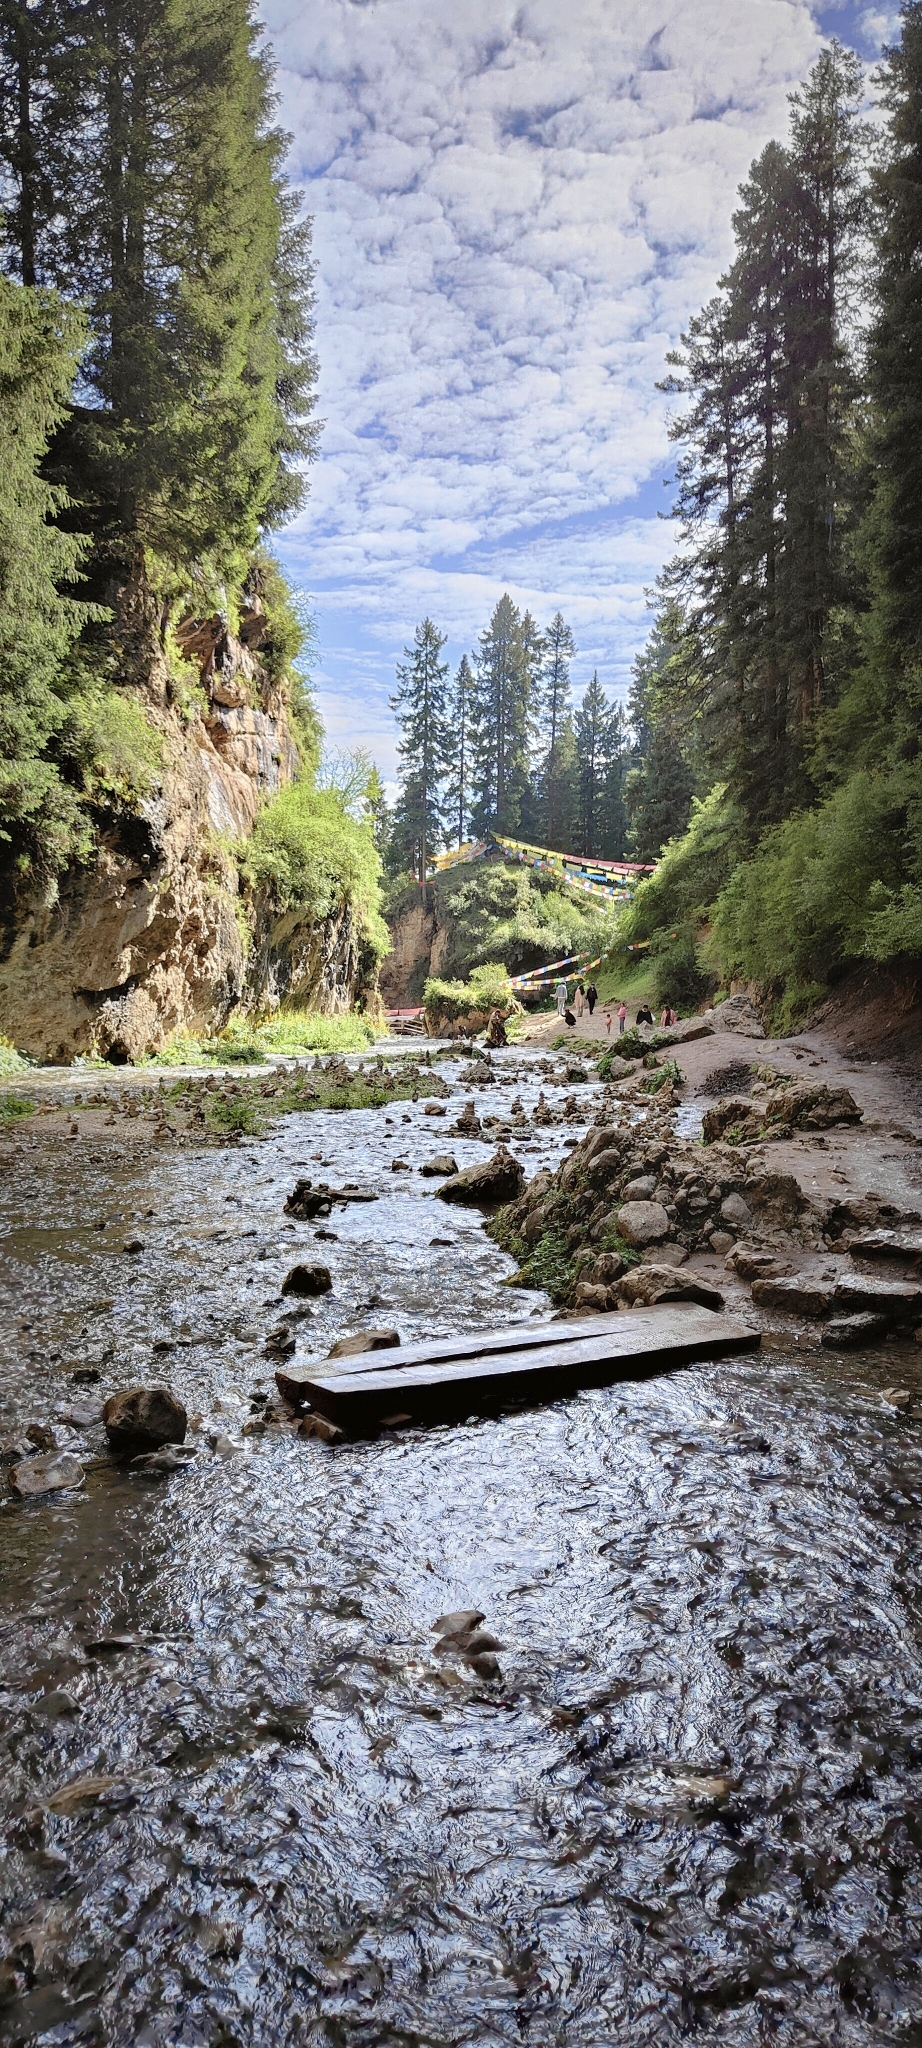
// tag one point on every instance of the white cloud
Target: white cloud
(517, 205)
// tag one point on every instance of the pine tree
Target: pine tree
(42, 821)
(896, 349)
(421, 705)
(612, 815)
(593, 723)
(144, 179)
(503, 710)
(556, 652)
(766, 483)
(460, 765)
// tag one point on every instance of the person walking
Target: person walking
(560, 995)
(579, 999)
(592, 997)
(622, 1017)
(668, 1017)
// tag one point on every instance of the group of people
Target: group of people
(644, 1016)
(585, 997)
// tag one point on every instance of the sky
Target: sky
(517, 204)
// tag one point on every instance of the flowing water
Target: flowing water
(687, 1808)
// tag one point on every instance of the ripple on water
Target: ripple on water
(688, 1806)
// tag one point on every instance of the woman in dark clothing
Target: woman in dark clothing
(645, 1014)
(592, 996)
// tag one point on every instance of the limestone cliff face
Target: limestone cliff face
(420, 944)
(148, 940)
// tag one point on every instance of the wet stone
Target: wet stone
(847, 1333)
(800, 1297)
(56, 1472)
(143, 1418)
(307, 1280)
(643, 1223)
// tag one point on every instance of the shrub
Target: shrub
(308, 854)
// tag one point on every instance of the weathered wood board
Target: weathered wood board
(433, 1382)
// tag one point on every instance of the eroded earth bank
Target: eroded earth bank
(668, 1781)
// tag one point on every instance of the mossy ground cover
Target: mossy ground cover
(13, 1106)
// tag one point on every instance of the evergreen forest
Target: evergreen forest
(770, 750)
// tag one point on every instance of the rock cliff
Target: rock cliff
(150, 938)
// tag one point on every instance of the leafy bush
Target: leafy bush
(497, 910)
(486, 989)
(827, 886)
(307, 853)
(679, 978)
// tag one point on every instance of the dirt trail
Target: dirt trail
(882, 1155)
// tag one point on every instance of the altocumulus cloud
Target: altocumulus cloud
(516, 208)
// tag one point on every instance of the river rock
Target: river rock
(755, 1265)
(169, 1458)
(306, 1201)
(56, 1472)
(847, 1333)
(899, 1300)
(434, 1109)
(143, 1418)
(495, 1180)
(798, 1294)
(720, 1242)
(319, 1426)
(640, 1190)
(438, 1168)
(643, 1223)
(735, 1212)
(592, 1298)
(307, 1280)
(468, 1123)
(459, 1623)
(899, 1398)
(80, 1414)
(363, 1340)
(887, 1244)
(647, 1285)
(604, 1270)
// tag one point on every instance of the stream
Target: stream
(245, 1801)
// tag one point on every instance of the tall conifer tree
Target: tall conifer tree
(420, 703)
(503, 710)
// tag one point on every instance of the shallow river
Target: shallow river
(689, 1807)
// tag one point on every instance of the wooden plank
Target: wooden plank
(631, 1346)
(292, 1381)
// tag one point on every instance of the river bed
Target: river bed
(271, 1813)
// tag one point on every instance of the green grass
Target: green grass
(13, 1106)
(289, 1032)
(669, 1071)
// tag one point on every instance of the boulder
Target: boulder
(899, 1300)
(306, 1201)
(643, 1223)
(363, 1340)
(604, 1270)
(436, 1169)
(143, 1418)
(738, 1014)
(735, 1212)
(720, 1242)
(56, 1472)
(434, 1109)
(640, 1190)
(753, 1265)
(594, 1298)
(846, 1333)
(495, 1180)
(305, 1279)
(798, 1294)
(647, 1285)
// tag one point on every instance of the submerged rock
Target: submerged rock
(55, 1472)
(143, 1418)
(495, 1180)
